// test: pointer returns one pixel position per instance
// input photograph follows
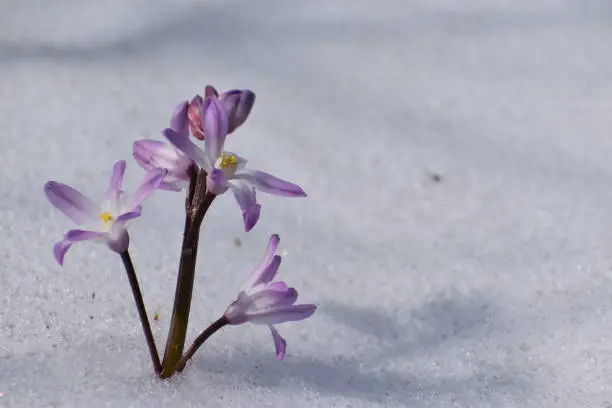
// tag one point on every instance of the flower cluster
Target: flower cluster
(182, 164)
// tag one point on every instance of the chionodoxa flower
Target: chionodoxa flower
(262, 301)
(237, 103)
(226, 170)
(105, 222)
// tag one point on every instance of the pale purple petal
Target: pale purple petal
(246, 198)
(152, 154)
(130, 215)
(214, 124)
(265, 272)
(77, 235)
(114, 189)
(210, 91)
(197, 101)
(238, 105)
(278, 286)
(251, 217)
(179, 122)
(185, 145)
(269, 271)
(282, 314)
(60, 249)
(72, 237)
(270, 184)
(216, 183)
(144, 152)
(176, 185)
(259, 273)
(273, 297)
(147, 187)
(280, 344)
(71, 203)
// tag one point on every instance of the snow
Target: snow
(456, 237)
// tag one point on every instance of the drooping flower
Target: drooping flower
(237, 103)
(261, 301)
(226, 170)
(153, 154)
(105, 222)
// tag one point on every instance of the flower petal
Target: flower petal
(144, 151)
(72, 237)
(152, 154)
(182, 142)
(238, 105)
(194, 116)
(247, 200)
(272, 298)
(175, 185)
(278, 286)
(210, 91)
(147, 187)
(59, 250)
(77, 235)
(214, 124)
(261, 271)
(271, 184)
(114, 190)
(179, 121)
(71, 203)
(269, 271)
(280, 344)
(282, 314)
(216, 183)
(130, 215)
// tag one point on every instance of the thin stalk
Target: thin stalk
(197, 204)
(197, 343)
(142, 312)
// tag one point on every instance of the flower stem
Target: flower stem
(197, 204)
(197, 343)
(142, 312)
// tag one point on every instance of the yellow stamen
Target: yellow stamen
(227, 159)
(105, 217)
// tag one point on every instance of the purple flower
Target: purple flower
(226, 170)
(105, 222)
(237, 103)
(262, 301)
(152, 154)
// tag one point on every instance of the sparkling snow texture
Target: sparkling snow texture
(457, 236)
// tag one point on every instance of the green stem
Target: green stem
(142, 312)
(197, 343)
(197, 204)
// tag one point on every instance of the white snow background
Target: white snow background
(489, 287)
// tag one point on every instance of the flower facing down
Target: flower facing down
(152, 154)
(104, 222)
(237, 103)
(226, 170)
(262, 301)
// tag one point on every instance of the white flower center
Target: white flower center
(228, 163)
(107, 220)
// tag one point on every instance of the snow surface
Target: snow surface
(457, 236)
